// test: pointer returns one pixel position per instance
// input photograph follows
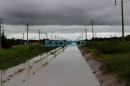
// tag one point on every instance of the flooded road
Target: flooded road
(56, 68)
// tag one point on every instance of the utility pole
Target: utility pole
(51, 36)
(55, 42)
(122, 12)
(82, 35)
(55, 37)
(3, 31)
(86, 33)
(92, 29)
(122, 17)
(27, 32)
(95, 34)
(1, 22)
(39, 34)
(23, 36)
(46, 36)
(23, 39)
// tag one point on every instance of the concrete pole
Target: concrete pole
(39, 35)
(1, 22)
(122, 12)
(92, 30)
(122, 17)
(23, 36)
(27, 33)
(86, 34)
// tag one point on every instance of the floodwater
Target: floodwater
(55, 68)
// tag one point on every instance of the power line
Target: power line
(108, 15)
(100, 17)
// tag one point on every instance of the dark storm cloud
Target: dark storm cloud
(65, 12)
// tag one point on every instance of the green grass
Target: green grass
(115, 56)
(111, 47)
(118, 64)
(15, 56)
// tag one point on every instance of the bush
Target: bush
(111, 47)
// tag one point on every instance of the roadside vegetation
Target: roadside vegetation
(14, 56)
(115, 55)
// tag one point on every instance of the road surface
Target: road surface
(67, 69)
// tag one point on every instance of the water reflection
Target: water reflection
(28, 69)
(23, 73)
(1, 77)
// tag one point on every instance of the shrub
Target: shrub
(113, 47)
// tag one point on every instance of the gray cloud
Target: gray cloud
(62, 12)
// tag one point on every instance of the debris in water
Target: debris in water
(46, 63)
(19, 71)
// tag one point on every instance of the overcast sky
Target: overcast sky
(66, 12)
(63, 16)
(69, 32)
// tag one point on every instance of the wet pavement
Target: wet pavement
(55, 68)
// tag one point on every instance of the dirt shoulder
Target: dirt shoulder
(104, 79)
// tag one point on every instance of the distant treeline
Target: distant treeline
(127, 38)
(8, 43)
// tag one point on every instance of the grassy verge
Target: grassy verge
(118, 64)
(115, 56)
(15, 56)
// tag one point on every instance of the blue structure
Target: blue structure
(56, 42)
(64, 42)
(81, 43)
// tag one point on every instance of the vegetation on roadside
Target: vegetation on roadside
(14, 56)
(115, 55)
